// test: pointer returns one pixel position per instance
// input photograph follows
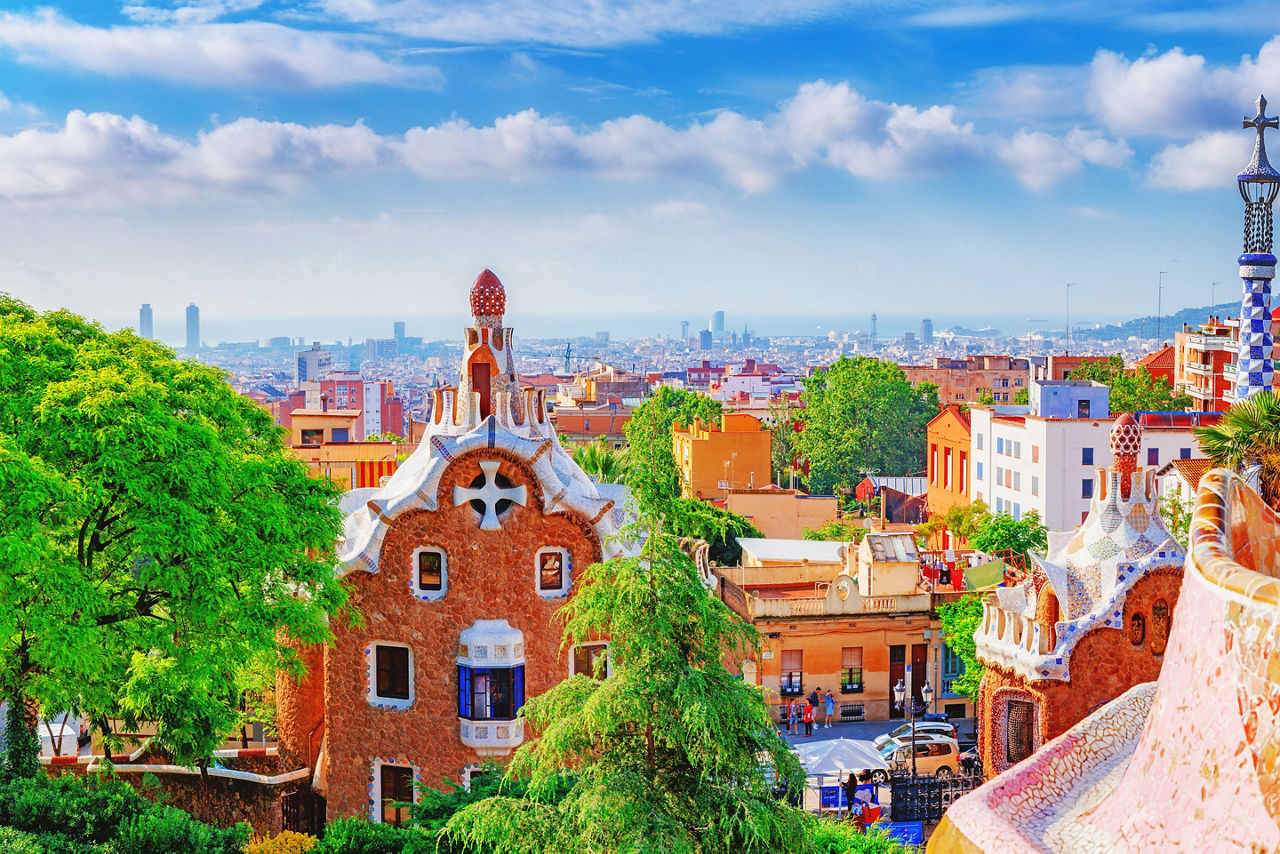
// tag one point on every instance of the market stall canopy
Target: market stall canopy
(839, 755)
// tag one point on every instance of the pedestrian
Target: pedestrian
(793, 717)
(813, 697)
(831, 708)
(808, 719)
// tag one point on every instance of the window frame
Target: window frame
(791, 681)
(376, 810)
(384, 701)
(847, 671)
(1086, 456)
(566, 572)
(415, 574)
(1086, 489)
(607, 652)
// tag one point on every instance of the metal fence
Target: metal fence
(927, 798)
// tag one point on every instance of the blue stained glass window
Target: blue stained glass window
(464, 691)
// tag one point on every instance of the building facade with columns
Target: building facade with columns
(456, 565)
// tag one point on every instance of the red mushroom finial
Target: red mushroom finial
(488, 297)
(1126, 442)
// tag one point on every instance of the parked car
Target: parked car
(922, 728)
(939, 757)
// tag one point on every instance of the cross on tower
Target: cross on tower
(490, 494)
(1261, 121)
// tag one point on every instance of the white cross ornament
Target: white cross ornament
(490, 494)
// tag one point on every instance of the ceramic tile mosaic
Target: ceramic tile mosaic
(1189, 763)
(1091, 574)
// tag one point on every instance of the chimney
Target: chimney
(324, 403)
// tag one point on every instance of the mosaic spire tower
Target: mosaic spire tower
(1258, 184)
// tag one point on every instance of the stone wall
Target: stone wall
(1106, 663)
(490, 575)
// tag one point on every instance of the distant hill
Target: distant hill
(1145, 327)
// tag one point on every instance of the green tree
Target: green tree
(668, 753)
(960, 620)
(1176, 515)
(1000, 532)
(835, 530)
(962, 520)
(861, 413)
(599, 460)
(157, 540)
(985, 397)
(782, 432)
(1022, 397)
(1248, 435)
(652, 472)
(1132, 391)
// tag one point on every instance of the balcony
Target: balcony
(1197, 368)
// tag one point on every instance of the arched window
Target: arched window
(1160, 620)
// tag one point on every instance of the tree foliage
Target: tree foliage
(155, 538)
(1000, 532)
(600, 461)
(1176, 515)
(783, 439)
(668, 753)
(836, 530)
(962, 520)
(960, 620)
(1248, 435)
(652, 472)
(1132, 391)
(861, 413)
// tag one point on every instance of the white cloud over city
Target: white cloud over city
(103, 158)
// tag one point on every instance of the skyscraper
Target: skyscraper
(398, 326)
(144, 321)
(193, 327)
(717, 323)
(926, 331)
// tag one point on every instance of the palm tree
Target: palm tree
(1248, 435)
(600, 461)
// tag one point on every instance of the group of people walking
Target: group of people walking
(804, 712)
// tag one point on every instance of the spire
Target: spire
(488, 297)
(1126, 442)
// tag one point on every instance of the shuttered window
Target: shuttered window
(392, 672)
(792, 671)
(1019, 742)
(851, 670)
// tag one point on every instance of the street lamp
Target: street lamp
(900, 697)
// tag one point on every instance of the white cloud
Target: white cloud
(977, 15)
(1210, 161)
(206, 54)
(1176, 94)
(186, 11)
(1040, 160)
(101, 159)
(681, 211)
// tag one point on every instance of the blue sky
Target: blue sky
(364, 159)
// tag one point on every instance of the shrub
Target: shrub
(170, 829)
(288, 842)
(90, 809)
(357, 836)
(20, 842)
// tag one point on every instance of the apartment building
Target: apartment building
(961, 380)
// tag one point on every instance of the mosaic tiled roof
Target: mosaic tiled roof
(1091, 570)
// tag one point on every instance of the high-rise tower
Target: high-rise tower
(144, 321)
(1258, 185)
(926, 331)
(193, 327)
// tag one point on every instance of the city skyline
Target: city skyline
(276, 159)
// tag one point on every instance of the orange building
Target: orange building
(949, 439)
(1159, 364)
(1201, 356)
(713, 460)
(961, 380)
(457, 565)
(782, 513)
(854, 628)
(1060, 367)
(591, 424)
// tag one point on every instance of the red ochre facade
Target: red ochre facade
(490, 576)
(1104, 665)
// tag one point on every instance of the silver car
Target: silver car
(923, 729)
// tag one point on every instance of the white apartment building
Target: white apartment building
(1022, 462)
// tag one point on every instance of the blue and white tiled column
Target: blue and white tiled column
(1253, 367)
